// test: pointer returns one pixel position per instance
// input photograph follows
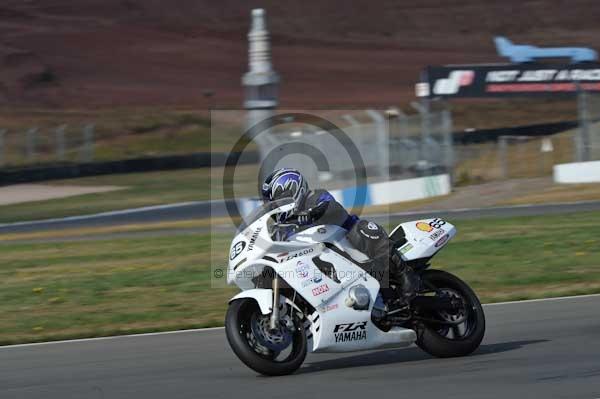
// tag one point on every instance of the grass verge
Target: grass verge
(74, 289)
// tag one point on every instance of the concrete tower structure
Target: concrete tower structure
(261, 81)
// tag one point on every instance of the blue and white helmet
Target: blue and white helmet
(284, 183)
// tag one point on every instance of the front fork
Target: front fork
(274, 321)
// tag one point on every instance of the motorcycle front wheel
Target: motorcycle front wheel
(457, 333)
(269, 352)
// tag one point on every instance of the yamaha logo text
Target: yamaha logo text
(350, 332)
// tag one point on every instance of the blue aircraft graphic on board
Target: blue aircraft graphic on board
(527, 53)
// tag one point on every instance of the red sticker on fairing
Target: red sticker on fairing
(320, 289)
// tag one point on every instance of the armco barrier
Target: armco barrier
(150, 164)
(492, 135)
(378, 193)
(385, 193)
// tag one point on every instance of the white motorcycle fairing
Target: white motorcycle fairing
(423, 238)
(334, 326)
(263, 296)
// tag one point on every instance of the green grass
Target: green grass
(117, 286)
(96, 288)
(143, 189)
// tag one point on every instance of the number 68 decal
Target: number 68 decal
(437, 223)
(237, 249)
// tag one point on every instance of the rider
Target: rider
(320, 207)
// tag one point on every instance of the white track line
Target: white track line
(181, 204)
(198, 330)
(103, 214)
(558, 298)
(111, 337)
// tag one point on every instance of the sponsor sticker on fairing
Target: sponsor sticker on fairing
(314, 280)
(323, 288)
(302, 269)
(329, 308)
(253, 238)
(442, 241)
(296, 254)
(424, 227)
(406, 248)
(437, 234)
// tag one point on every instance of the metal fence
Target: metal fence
(517, 156)
(35, 145)
(587, 138)
(391, 144)
(511, 157)
(395, 145)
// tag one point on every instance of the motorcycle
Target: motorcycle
(311, 293)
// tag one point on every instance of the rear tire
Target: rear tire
(430, 336)
(237, 328)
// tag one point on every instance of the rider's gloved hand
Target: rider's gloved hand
(309, 216)
(304, 218)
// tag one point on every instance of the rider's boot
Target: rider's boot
(407, 280)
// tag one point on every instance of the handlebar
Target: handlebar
(286, 225)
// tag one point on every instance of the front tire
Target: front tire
(455, 340)
(242, 339)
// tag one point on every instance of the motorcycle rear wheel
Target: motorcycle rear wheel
(239, 332)
(452, 340)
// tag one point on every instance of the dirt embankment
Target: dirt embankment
(90, 53)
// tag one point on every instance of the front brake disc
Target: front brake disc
(276, 340)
